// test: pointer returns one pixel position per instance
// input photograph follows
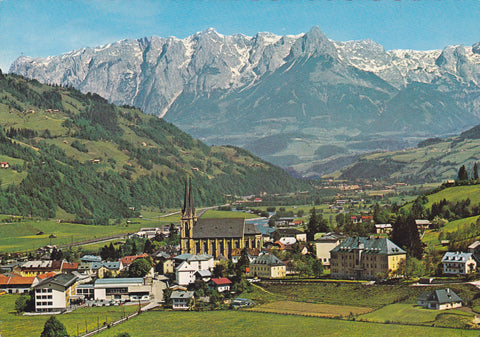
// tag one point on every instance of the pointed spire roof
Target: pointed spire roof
(186, 198)
(188, 208)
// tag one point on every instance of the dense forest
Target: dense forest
(99, 161)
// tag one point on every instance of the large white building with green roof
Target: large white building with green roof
(365, 258)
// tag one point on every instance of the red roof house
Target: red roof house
(16, 284)
(221, 284)
(126, 260)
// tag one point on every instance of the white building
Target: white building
(55, 293)
(187, 265)
(182, 300)
(325, 244)
(221, 284)
(458, 263)
(121, 289)
(185, 274)
(440, 299)
(383, 228)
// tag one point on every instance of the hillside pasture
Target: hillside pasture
(456, 193)
(431, 236)
(354, 293)
(412, 314)
(245, 323)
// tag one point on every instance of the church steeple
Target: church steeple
(188, 220)
(188, 210)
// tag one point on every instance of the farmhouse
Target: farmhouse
(216, 237)
(458, 263)
(4, 164)
(365, 258)
(422, 224)
(221, 284)
(182, 300)
(439, 299)
(383, 228)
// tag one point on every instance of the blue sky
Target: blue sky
(51, 27)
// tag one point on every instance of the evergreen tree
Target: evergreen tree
(148, 248)
(462, 174)
(475, 171)
(243, 262)
(54, 328)
(405, 235)
(112, 254)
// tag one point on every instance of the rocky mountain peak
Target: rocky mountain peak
(236, 89)
(476, 48)
(314, 42)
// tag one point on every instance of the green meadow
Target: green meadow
(243, 323)
(24, 235)
(411, 314)
(431, 236)
(13, 325)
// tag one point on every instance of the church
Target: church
(216, 237)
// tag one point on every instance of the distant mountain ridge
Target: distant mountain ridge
(312, 91)
(434, 160)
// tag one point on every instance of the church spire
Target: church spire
(188, 208)
(190, 195)
(186, 199)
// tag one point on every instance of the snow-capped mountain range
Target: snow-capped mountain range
(304, 101)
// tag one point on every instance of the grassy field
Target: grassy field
(10, 176)
(311, 309)
(412, 314)
(227, 214)
(431, 236)
(353, 294)
(456, 193)
(242, 323)
(14, 326)
(21, 236)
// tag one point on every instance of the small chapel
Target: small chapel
(216, 237)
